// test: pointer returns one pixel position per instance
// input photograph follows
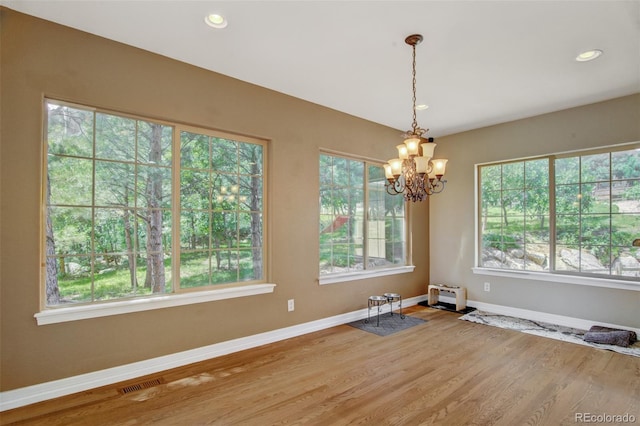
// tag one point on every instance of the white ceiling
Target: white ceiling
(481, 63)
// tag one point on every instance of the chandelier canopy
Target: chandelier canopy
(415, 173)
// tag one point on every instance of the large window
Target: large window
(361, 226)
(573, 213)
(136, 207)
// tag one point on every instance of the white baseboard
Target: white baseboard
(67, 386)
(582, 324)
(57, 388)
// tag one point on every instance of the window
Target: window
(572, 214)
(515, 214)
(136, 207)
(221, 193)
(361, 226)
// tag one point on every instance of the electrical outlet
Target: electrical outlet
(487, 286)
(290, 305)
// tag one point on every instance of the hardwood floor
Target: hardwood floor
(442, 372)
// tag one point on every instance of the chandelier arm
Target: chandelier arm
(437, 185)
(394, 188)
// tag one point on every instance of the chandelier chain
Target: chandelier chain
(415, 120)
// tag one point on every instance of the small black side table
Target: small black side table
(373, 302)
(394, 297)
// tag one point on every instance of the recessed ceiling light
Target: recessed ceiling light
(421, 107)
(588, 55)
(216, 21)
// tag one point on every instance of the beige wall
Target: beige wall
(40, 59)
(452, 216)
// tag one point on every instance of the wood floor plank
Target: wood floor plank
(442, 372)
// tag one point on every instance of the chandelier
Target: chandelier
(414, 173)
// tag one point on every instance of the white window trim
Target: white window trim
(76, 313)
(361, 275)
(559, 278)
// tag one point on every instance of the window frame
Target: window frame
(175, 295)
(407, 267)
(551, 275)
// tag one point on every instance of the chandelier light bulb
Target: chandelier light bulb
(402, 151)
(387, 171)
(413, 144)
(439, 166)
(396, 166)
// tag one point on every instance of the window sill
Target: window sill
(361, 275)
(76, 313)
(560, 278)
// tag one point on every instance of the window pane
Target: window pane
(224, 155)
(250, 193)
(514, 200)
(228, 195)
(356, 174)
(491, 178)
(595, 229)
(115, 137)
(72, 228)
(567, 229)
(513, 175)
(115, 184)
(225, 191)
(250, 264)
(326, 173)
(491, 203)
(595, 197)
(568, 199)
(595, 168)
(386, 223)
(194, 189)
(195, 228)
(537, 229)
(154, 144)
(250, 159)
(124, 231)
(537, 201)
(224, 266)
(626, 196)
(111, 233)
(349, 239)
(195, 269)
(627, 228)
(154, 187)
(596, 260)
(194, 151)
(625, 164)
(567, 170)
(70, 180)
(74, 279)
(537, 173)
(69, 131)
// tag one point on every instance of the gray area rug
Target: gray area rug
(388, 324)
(558, 332)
